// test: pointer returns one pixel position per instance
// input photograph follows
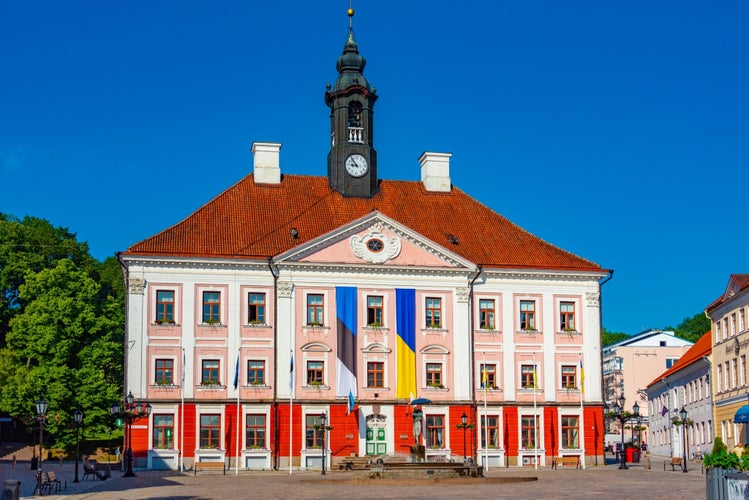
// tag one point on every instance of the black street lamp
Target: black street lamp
(464, 425)
(622, 417)
(41, 410)
(324, 425)
(78, 419)
(683, 416)
(129, 412)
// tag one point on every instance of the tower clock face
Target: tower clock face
(356, 165)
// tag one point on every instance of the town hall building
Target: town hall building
(295, 319)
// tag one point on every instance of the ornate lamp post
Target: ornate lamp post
(683, 416)
(78, 419)
(622, 417)
(464, 425)
(324, 425)
(128, 413)
(41, 410)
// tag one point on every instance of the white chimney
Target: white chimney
(435, 171)
(267, 168)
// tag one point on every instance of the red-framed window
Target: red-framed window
(486, 314)
(255, 432)
(210, 431)
(315, 308)
(374, 310)
(211, 307)
(164, 306)
(375, 374)
(256, 308)
(164, 371)
(433, 312)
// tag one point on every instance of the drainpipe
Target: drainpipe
(602, 282)
(126, 277)
(472, 359)
(276, 431)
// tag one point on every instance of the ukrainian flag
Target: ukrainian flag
(405, 324)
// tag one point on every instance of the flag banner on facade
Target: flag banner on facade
(664, 411)
(483, 378)
(184, 363)
(405, 325)
(582, 377)
(291, 374)
(346, 300)
(535, 379)
(236, 374)
(350, 406)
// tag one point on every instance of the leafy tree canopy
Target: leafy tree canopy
(609, 338)
(63, 330)
(30, 245)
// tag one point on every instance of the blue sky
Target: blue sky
(616, 130)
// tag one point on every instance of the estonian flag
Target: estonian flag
(291, 374)
(236, 374)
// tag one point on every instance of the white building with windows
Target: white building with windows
(729, 316)
(686, 385)
(291, 299)
(631, 364)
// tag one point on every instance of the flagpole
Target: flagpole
(486, 420)
(291, 410)
(582, 411)
(238, 387)
(182, 416)
(535, 416)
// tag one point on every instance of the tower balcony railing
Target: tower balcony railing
(356, 134)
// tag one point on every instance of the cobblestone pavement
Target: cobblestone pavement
(606, 482)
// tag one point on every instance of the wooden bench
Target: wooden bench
(673, 462)
(565, 462)
(209, 466)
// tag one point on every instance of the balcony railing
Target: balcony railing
(356, 134)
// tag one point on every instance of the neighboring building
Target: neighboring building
(630, 365)
(728, 315)
(350, 289)
(685, 385)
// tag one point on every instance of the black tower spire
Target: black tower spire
(352, 160)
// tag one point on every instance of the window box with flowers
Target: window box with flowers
(165, 322)
(211, 384)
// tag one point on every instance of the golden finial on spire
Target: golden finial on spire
(350, 14)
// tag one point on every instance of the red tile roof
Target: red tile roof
(254, 221)
(703, 347)
(742, 280)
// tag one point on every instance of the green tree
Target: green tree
(65, 344)
(693, 328)
(30, 245)
(608, 338)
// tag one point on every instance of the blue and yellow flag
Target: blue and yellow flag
(405, 325)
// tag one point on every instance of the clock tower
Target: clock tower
(352, 160)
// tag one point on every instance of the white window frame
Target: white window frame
(376, 353)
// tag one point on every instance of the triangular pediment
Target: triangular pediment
(376, 240)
